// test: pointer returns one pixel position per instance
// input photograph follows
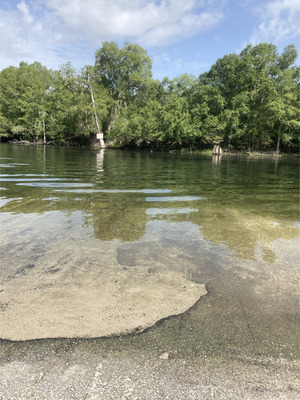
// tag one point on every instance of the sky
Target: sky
(180, 36)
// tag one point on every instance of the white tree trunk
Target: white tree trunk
(44, 130)
(102, 143)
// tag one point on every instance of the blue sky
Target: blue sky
(181, 36)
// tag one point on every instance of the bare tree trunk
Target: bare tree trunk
(44, 130)
(102, 143)
(278, 140)
(217, 150)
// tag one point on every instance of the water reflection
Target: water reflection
(100, 160)
(174, 198)
(53, 183)
(216, 159)
(147, 191)
(169, 211)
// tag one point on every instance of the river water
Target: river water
(230, 223)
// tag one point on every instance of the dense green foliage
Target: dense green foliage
(247, 101)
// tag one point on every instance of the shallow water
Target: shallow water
(230, 223)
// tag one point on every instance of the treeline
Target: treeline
(247, 101)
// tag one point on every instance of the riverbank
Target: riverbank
(109, 369)
(184, 150)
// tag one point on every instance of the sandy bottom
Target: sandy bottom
(87, 293)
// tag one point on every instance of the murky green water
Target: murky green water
(231, 223)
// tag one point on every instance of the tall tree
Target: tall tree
(124, 72)
(283, 109)
(24, 98)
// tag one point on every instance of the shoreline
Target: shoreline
(107, 369)
(183, 150)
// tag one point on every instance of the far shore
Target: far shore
(183, 150)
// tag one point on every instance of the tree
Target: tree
(284, 110)
(124, 72)
(24, 99)
(245, 98)
(70, 110)
(9, 111)
(245, 101)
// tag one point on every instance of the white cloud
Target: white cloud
(23, 7)
(280, 21)
(180, 28)
(147, 22)
(25, 37)
(51, 30)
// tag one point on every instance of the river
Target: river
(213, 240)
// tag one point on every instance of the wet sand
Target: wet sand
(57, 369)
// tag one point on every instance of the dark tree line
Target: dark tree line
(247, 101)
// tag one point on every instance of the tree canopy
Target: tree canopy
(247, 101)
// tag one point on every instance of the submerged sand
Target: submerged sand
(87, 293)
